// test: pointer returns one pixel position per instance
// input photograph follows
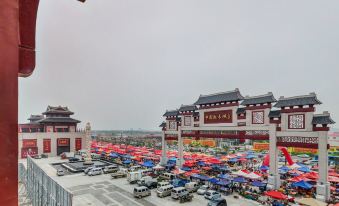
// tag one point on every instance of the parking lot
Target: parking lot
(103, 190)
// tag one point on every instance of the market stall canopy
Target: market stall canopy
(258, 184)
(276, 195)
(240, 180)
(310, 202)
(158, 167)
(302, 184)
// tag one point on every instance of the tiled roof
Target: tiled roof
(241, 110)
(322, 119)
(34, 118)
(220, 97)
(171, 113)
(185, 108)
(274, 114)
(58, 109)
(163, 124)
(59, 120)
(310, 99)
(266, 98)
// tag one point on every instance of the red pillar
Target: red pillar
(9, 64)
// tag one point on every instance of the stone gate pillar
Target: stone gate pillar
(274, 177)
(163, 149)
(323, 186)
(180, 160)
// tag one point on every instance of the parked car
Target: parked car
(192, 186)
(95, 171)
(44, 155)
(202, 190)
(178, 192)
(118, 174)
(73, 159)
(111, 169)
(164, 191)
(162, 184)
(212, 194)
(217, 202)
(140, 192)
(60, 172)
(88, 169)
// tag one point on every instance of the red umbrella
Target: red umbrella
(276, 195)
(206, 168)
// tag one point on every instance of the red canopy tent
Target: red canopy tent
(276, 195)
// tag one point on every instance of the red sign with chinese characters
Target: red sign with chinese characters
(29, 143)
(63, 142)
(47, 145)
(77, 144)
(222, 116)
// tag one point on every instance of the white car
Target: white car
(95, 171)
(202, 190)
(60, 172)
(88, 169)
(212, 194)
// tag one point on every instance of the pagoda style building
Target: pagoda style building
(52, 133)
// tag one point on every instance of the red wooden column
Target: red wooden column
(9, 64)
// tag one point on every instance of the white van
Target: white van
(140, 192)
(162, 184)
(164, 191)
(178, 192)
(135, 168)
(95, 171)
(192, 186)
(168, 176)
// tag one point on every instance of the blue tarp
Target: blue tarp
(201, 177)
(284, 168)
(223, 182)
(250, 156)
(127, 162)
(304, 169)
(258, 184)
(173, 159)
(200, 163)
(113, 155)
(264, 167)
(223, 176)
(282, 172)
(233, 160)
(148, 164)
(302, 184)
(126, 156)
(240, 180)
(186, 169)
(213, 180)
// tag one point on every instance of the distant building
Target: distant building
(53, 132)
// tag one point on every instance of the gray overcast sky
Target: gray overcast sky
(121, 64)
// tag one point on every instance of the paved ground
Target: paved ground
(103, 190)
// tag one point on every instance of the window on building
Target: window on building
(296, 121)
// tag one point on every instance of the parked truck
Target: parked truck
(133, 177)
(118, 174)
(148, 181)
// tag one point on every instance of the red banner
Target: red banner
(28, 151)
(77, 144)
(223, 116)
(63, 142)
(29, 143)
(47, 146)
